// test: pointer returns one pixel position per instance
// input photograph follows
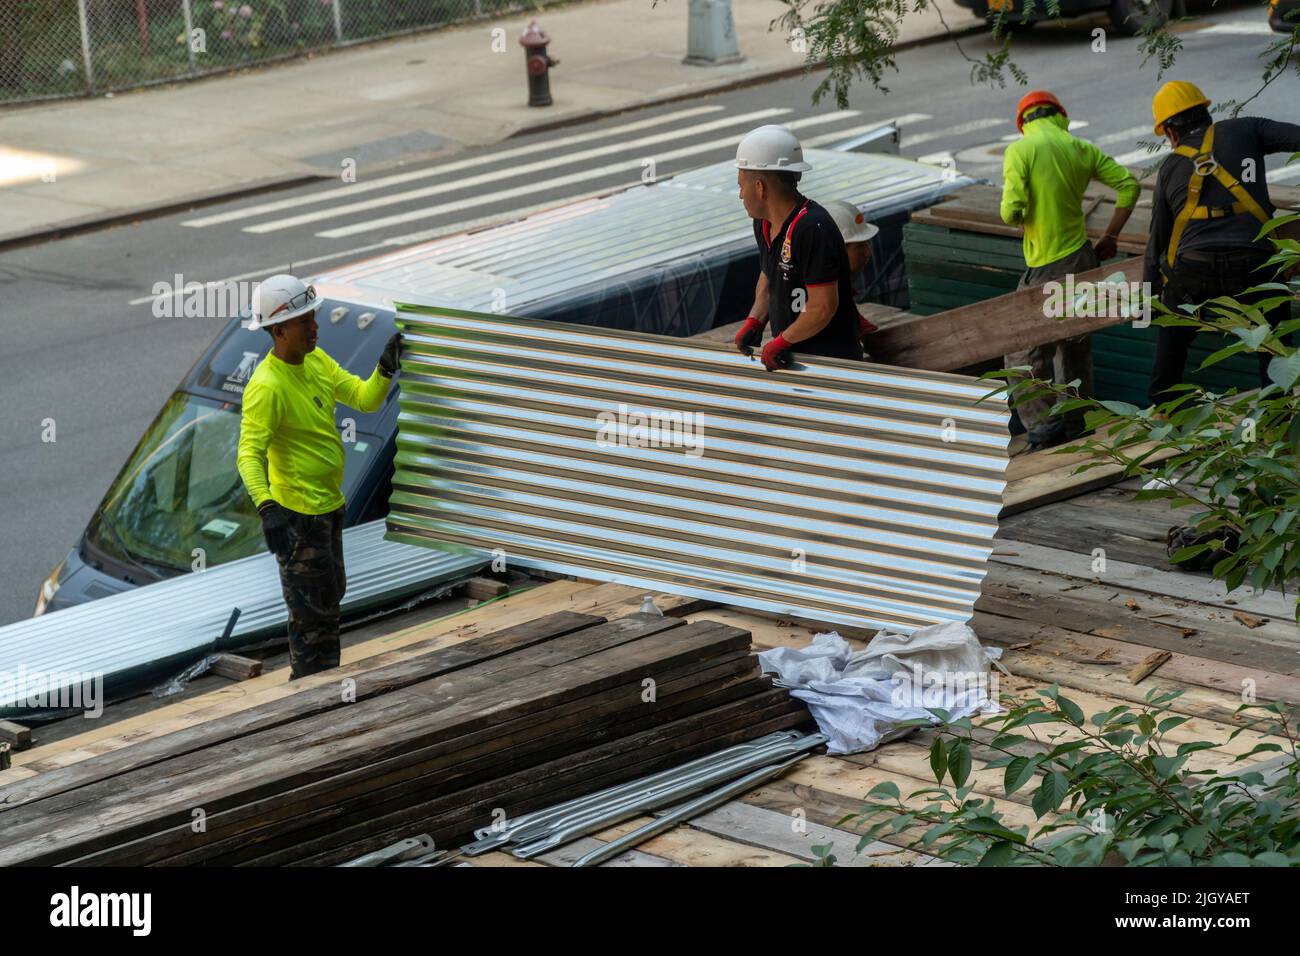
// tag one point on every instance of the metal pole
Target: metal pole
(685, 812)
(85, 46)
(189, 33)
(338, 20)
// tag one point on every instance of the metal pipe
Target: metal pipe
(609, 816)
(484, 833)
(685, 812)
(543, 821)
(415, 846)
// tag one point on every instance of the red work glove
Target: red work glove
(776, 354)
(750, 334)
(865, 327)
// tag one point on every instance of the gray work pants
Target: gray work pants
(1062, 361)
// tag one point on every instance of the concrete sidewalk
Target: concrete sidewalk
(68, 164)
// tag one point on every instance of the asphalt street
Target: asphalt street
(80, 344)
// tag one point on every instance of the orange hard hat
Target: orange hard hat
(1036, 98)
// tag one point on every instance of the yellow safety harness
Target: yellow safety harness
(1204, 164)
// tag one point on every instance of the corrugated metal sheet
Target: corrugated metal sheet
(845, 492)
(553, 253)
(164, 625)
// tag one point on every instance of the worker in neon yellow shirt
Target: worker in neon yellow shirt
(1044, 177)
(291, 461)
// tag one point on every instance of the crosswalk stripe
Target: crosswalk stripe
(397, 179)
(959, 129)
(1142, 157)
(1121, 136)
(514, 172)
(559, 182)
(843, 134)
(1239, 27)
(1284, 173)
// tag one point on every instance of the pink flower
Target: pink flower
(245, 11)
(226, 34)
(218, 5)
(326, 3)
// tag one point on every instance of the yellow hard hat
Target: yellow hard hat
(1174, 97)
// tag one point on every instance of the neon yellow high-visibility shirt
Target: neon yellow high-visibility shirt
(1044, 176)
(289, 446)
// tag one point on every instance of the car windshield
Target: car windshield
(180, 499)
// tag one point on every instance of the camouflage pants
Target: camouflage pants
(313, 581)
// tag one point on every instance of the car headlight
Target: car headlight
(49, 587)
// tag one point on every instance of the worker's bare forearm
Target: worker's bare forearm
(823, 300)
(759, 308)
(1117, 220)
(809, 324)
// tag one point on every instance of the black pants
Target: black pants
(314, 582)
(1198, 276)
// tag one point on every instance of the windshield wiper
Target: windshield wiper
(126, 552)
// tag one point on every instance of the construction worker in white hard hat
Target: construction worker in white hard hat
(857, 234)
(291, 460)
(1210, 199)
(805, 286)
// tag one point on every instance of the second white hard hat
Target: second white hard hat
(281, 298)
(852, 224)
(771, 148)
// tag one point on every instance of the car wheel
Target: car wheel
(1133, 16)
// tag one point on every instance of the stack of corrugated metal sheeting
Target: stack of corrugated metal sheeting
(512, 721)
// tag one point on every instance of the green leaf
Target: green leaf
(1254, 338)
(1284, 370)
(1000, 854)
(885, 789)
(1072, 710)
(959, 763)
(1271, 858)
(1050, 794)
(1019, 772)
(991, 827)
(938, 759)
(1123, 409)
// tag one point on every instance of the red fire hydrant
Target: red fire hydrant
(534, 41)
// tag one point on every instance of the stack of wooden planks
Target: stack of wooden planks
(436, 742)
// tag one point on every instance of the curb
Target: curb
(99, 221)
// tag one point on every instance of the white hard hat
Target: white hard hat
(281, 298)
(852, 224)
(771, 147)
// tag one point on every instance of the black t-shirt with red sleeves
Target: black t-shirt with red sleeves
(808, 251)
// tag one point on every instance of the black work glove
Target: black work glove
(390, 361)
(275, 526)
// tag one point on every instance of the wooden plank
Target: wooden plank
(515, 609)
(277, 760)
(636, 757)
(1173, 584)
(989, 329)
(236, 667)
(1061, 483)
(795, 835)
(17, 736)
(1147, 666)
(354, 797)
(577, 655)
(485, 589)
(368, 683)
(1213, 641)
